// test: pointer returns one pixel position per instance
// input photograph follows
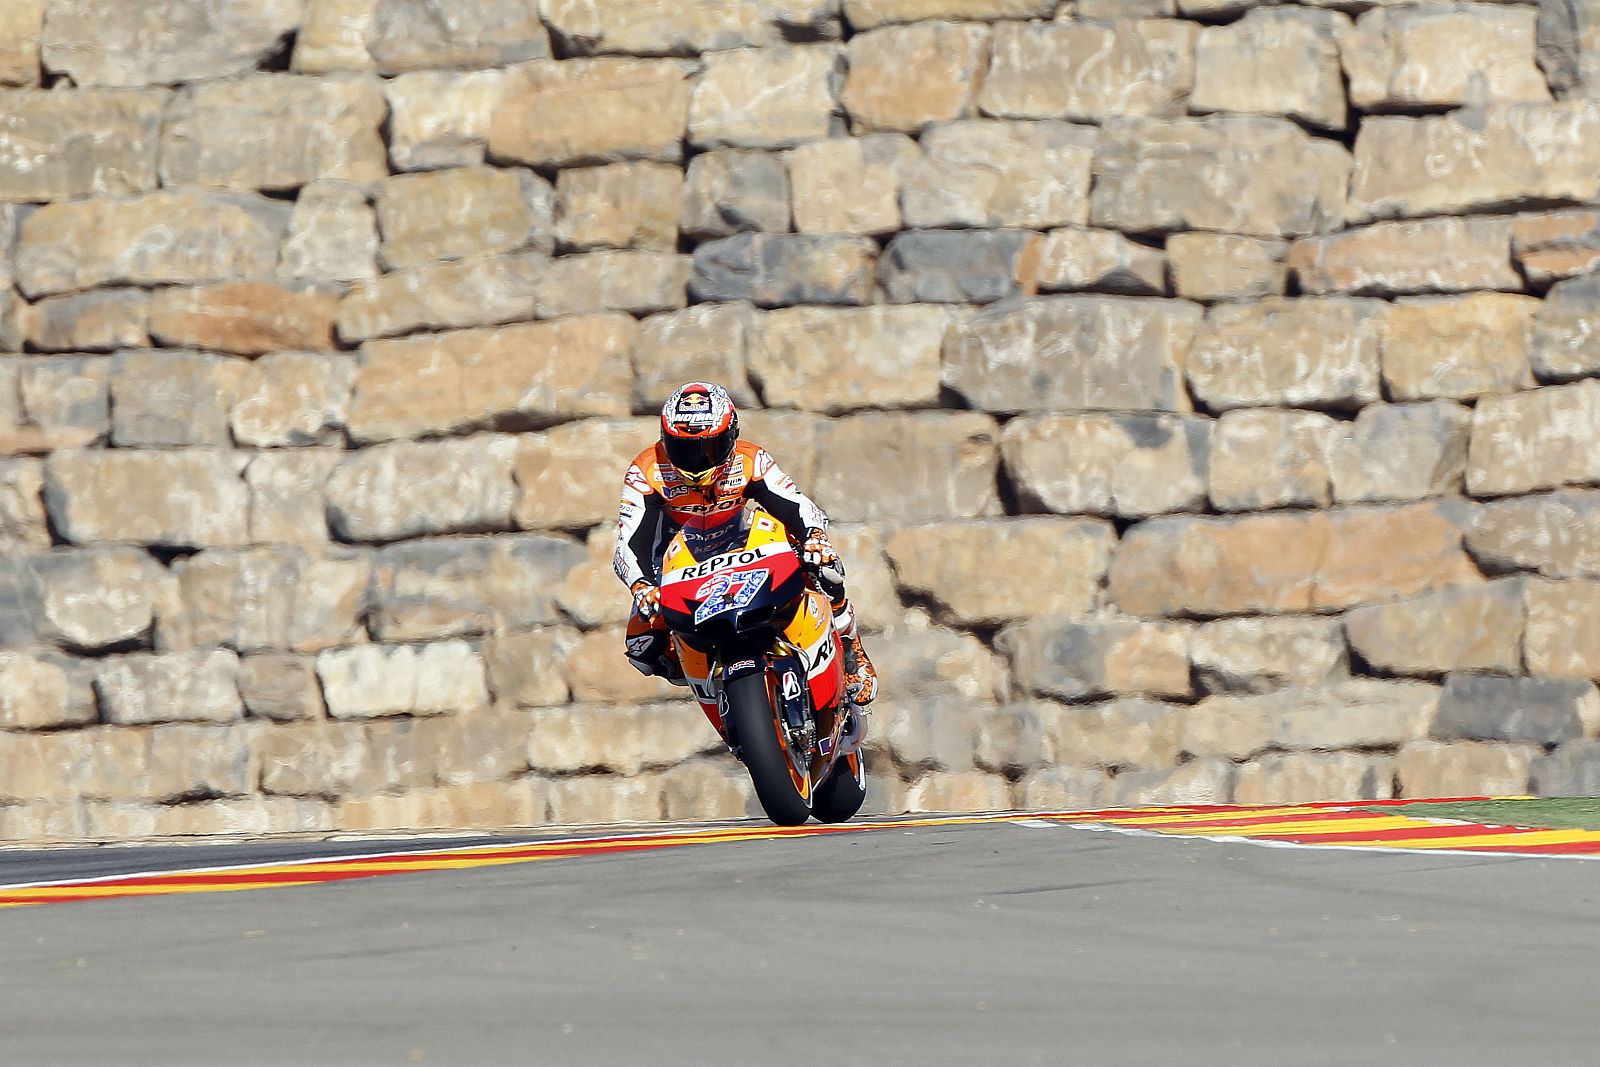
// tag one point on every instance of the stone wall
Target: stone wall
(1207, 392)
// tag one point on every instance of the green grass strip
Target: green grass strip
(1545, 813)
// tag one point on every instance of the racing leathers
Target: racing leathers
(656, 502)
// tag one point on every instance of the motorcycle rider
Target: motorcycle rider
(700, 467)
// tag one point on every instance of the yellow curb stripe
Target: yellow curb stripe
(1493, 837)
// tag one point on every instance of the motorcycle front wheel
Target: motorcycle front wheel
(781, 784)
(841, 794)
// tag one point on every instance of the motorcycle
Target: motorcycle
(745, 619)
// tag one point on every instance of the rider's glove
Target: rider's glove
(646, 599)
(817, 552)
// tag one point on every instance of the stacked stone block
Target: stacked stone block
(1207, 394)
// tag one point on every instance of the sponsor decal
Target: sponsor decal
(640, 646)
(727, 592)
(690, 402)
(791, 686)
(727, 561)
(742, 665)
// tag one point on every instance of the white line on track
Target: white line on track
(1133, 831)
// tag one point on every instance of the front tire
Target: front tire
(761, 746)
(839, 797)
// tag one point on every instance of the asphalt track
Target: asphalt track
(1004, 942)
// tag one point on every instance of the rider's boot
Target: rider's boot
(860, 679)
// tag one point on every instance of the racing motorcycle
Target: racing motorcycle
(744, 617)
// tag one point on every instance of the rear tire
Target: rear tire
(755, 727)
(839, 797)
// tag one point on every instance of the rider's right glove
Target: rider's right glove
(646, 599)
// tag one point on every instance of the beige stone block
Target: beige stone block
(605, 800)
(1220, 266)
(224, 817)
(1552, 245)
(372, 681)
(484, 746)
(1555, 534)
(441, 118)
(482, 291)
(469, 378)
(598, 672)
(1566, 331)
(1463, 629)
(639, 283)
(556, 471)
(1284, 563)
(1064, 789)
(288, 499)
(100, 321)
(1273, 61)
(49, 403)
(918, 665)
(1462, 347)
(728, 191)
(461, 212)
(873, 596)
(987, 173)
(315, 759)
(1123, 465)
(706, 342)
(867, 14)
(170, 399)
(1129, 734)
(708, 789)
(173, 237)
(1540, 439)
(959, 792)
(905, 77)
(686, 27)
(477, 806)
(188, 499)
(92, 600)
(1463, 769)
(1563, 635)
(411, 35)
(163, 41)
(624, 205)
(333, 236)
(954, 565)
(1201, 781)
(1311, 352)
(525, 669)
(1089, 71)
(592, 111)
(834, 360)
(268, 598)
(250, 318)
(1402, 452)
(926, 467)
(21, 26)
(274, 131)
(1360, 713)
(333, 37)
(851, 184)
(179, 686)
(1100, 261)
(591, 595)
(447, 587)
(23, 528)
(35, 693)
(1265, 458)
(1502, 155)
(1453, 55)
(766, 97)
(280, 687)
(1011, 740)
(58, 145)
(1058, 354)
(1086, 658)
(1260, 655)
(1441, 255)
(1309, 777)
(294, 399)
(1251, 175)
(624, 739)
(403, 489)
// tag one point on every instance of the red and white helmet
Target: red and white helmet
(699, 427)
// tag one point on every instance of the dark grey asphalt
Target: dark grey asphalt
(976, 944)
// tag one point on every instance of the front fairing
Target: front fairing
(733, 580)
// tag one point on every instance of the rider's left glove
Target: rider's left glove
(646, 599)
(818, 550)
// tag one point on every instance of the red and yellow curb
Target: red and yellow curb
(1308, 825)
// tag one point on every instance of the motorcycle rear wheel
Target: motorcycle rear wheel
(840, 796)
(766, 757)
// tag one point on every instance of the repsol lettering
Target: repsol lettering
(722, 563)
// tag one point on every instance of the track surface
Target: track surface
(970, 943)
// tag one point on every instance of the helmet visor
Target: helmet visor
(697, 458)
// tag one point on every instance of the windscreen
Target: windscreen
(712, 535)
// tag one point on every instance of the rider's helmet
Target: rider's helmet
(699, 427)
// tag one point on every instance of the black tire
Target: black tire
(755, 727)
(839, 797)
